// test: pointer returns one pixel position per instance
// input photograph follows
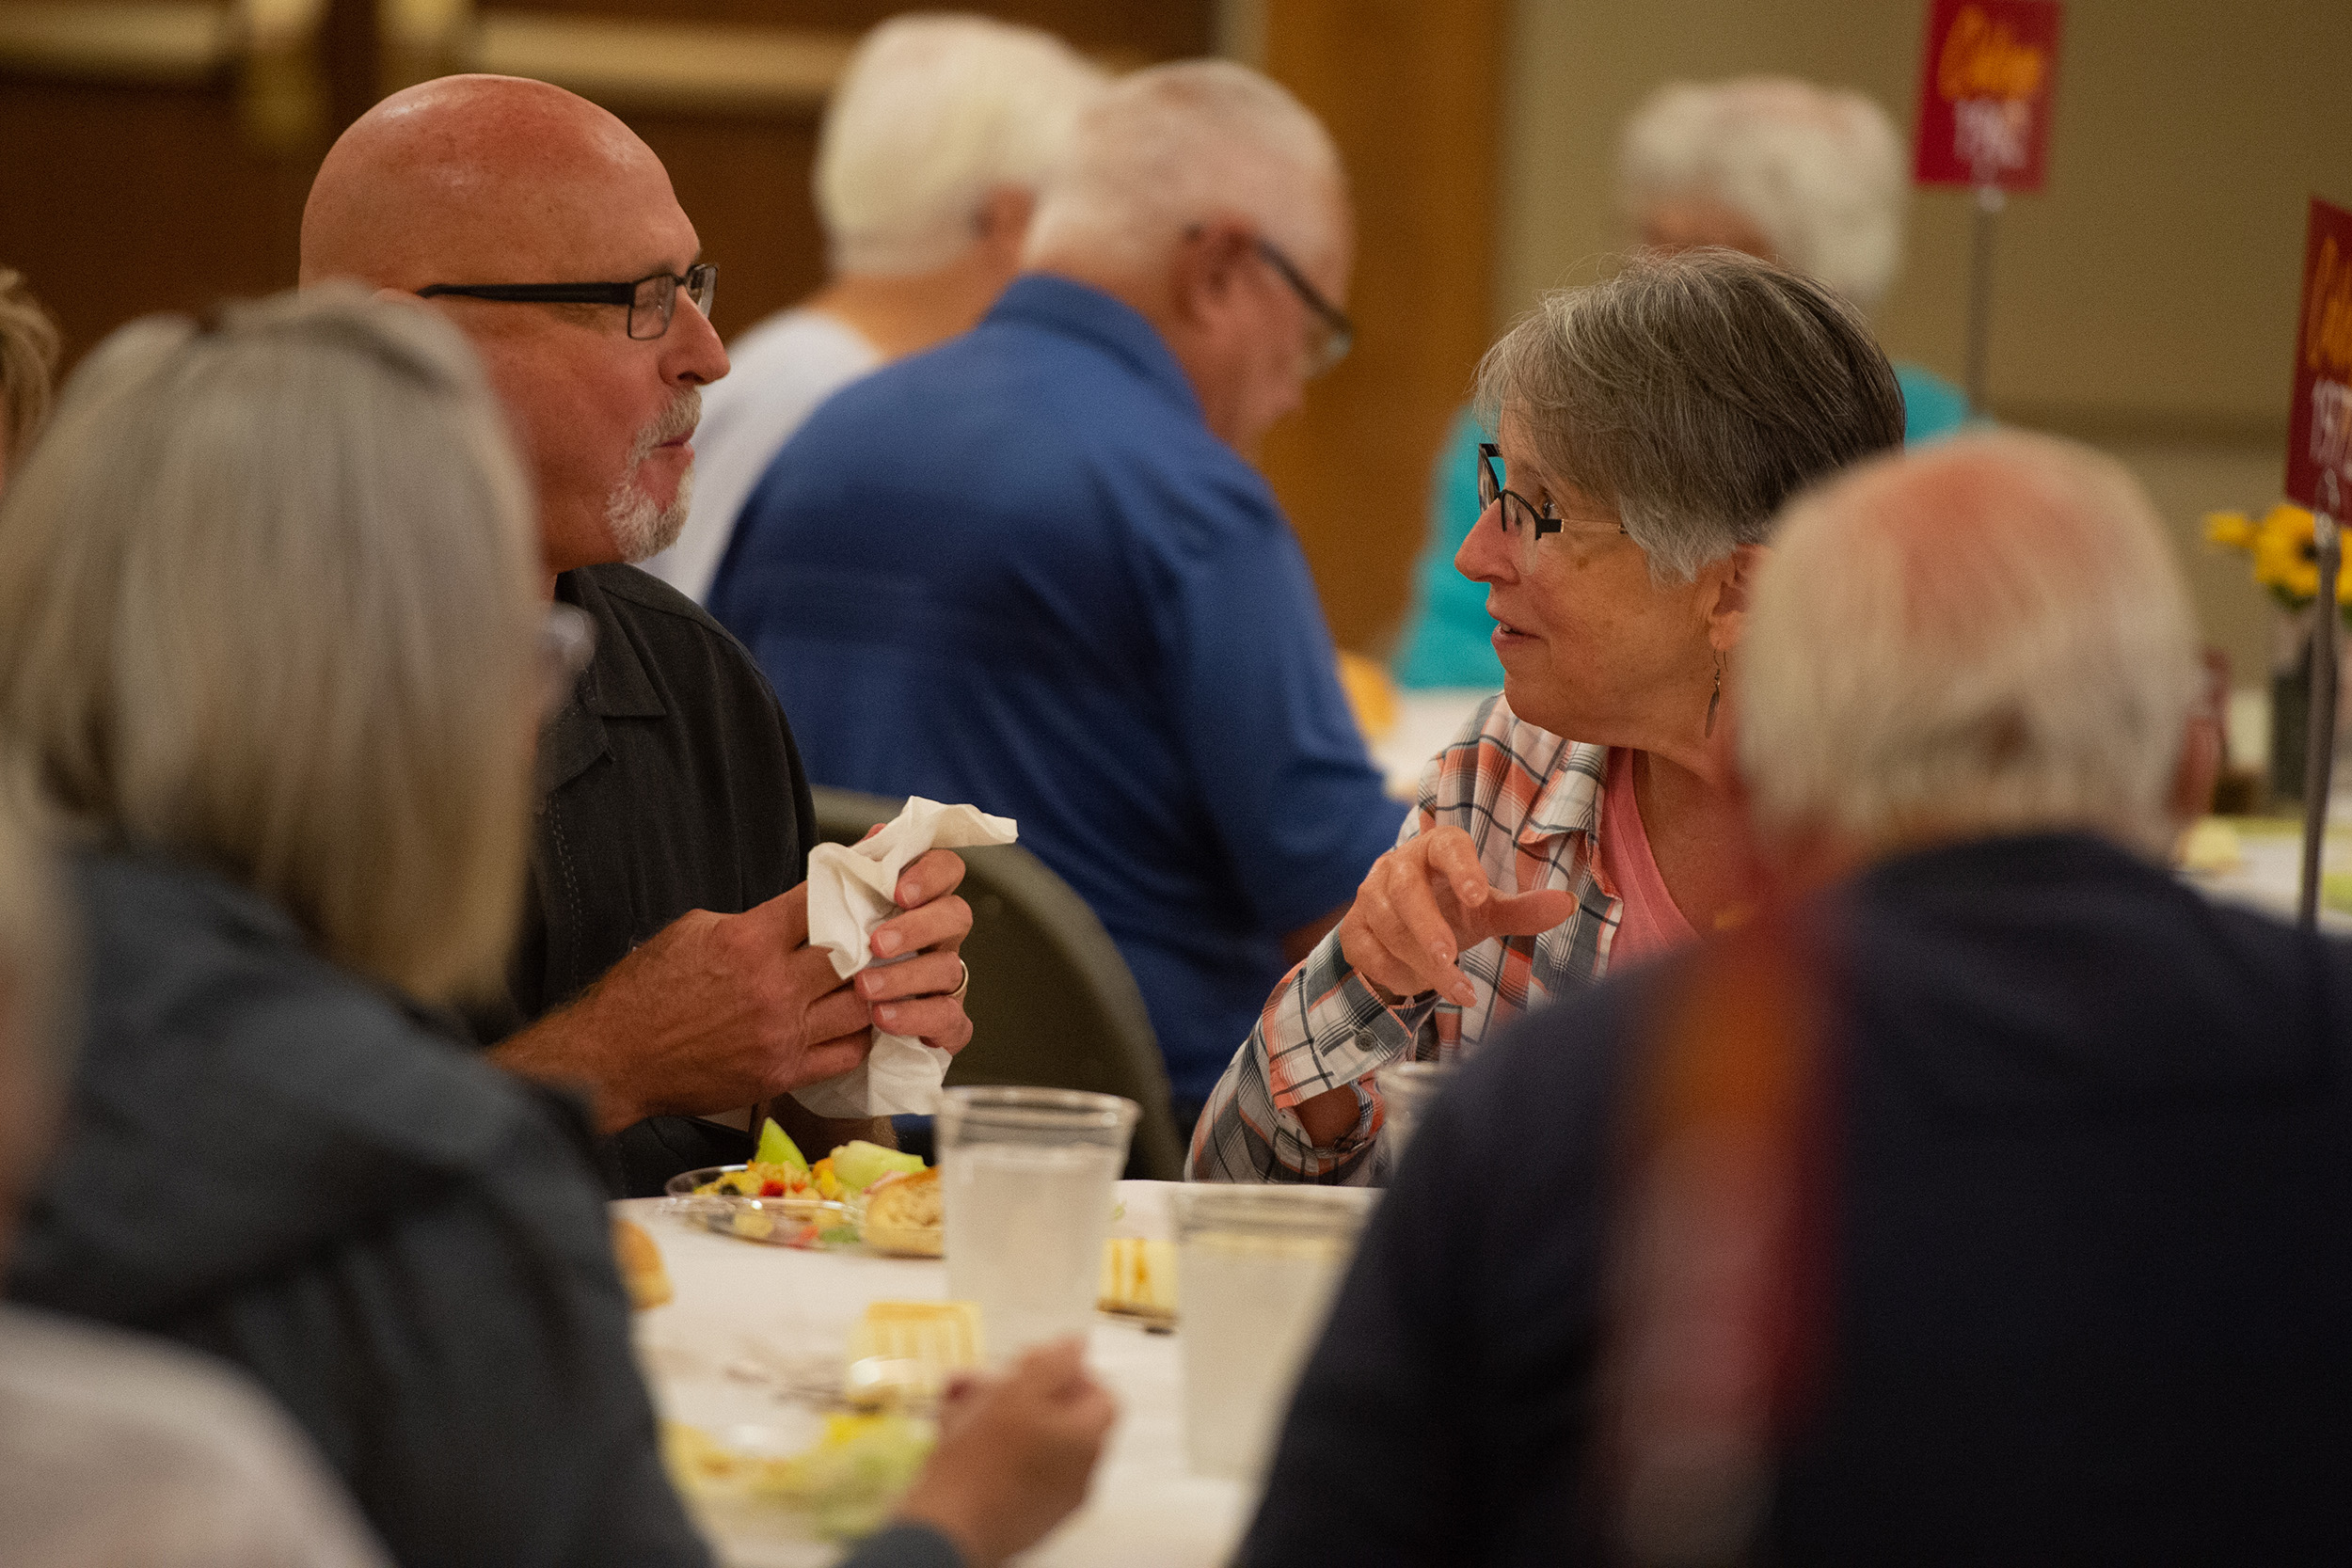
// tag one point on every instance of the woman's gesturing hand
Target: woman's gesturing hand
(1425, 901)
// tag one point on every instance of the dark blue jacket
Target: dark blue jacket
(267, 1158)
(2092, 1254)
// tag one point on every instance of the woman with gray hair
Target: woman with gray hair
(273, 643)
(271, 654)
(1810, 177)
(1650, 427)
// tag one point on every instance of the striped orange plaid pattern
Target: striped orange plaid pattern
(1531, 803)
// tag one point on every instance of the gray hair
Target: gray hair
(28, 359)
(1174, 144)
(1819, 172)
(1989, 637)
(932, 114)
(269, 602)
(1692, 394)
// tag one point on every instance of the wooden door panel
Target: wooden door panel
(119, 201)
(118, 198)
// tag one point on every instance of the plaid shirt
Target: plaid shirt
(1531, 803)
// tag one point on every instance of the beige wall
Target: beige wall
(2145, 300)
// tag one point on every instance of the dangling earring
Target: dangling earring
(1714, 698)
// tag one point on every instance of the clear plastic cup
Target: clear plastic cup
(1029, 1177)
(1405, 1089)
(1255, 1268)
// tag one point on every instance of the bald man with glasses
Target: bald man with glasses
(664, 966)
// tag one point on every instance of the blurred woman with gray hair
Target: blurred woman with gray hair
(273, 647)
(1651, 426)
(1810, 177)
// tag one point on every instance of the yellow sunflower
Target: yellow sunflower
(2229, 530)
(2284, 558)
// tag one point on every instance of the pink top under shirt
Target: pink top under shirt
(1648, 921)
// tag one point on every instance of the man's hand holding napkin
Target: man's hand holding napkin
(853, 893)
(715, 1012)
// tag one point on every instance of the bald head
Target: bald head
(1990, 636)
(470, 179)
(483, 181)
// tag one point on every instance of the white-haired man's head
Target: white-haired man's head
(1800, 174)
(935, 114)
(1211, 200)
(1987, 637)
(1169, 146)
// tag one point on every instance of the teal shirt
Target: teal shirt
(1446, 629)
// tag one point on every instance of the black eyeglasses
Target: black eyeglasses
(652, 300)
(1334, 333)
(1490, 490)
(1528, 525)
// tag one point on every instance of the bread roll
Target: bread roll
(640, 1261)
(905, 1214)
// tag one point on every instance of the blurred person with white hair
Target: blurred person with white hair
(1036, 570)
(928, 163)
(115, 1448)
(1652, 425)
(2000, 1178)
(1813, 178)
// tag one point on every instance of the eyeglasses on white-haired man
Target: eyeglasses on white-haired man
(1983, 1200)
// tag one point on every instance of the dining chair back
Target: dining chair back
(1051, 1002)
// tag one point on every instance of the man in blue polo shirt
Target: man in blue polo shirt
(1033, 568)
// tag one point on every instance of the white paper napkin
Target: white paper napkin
(848, 894)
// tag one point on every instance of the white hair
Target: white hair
(1820, 173)
(1988, 637)
(1174, 144)
(933, 113)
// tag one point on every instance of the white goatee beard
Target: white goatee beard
(640, 528)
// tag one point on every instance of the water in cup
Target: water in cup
(1256, 1269)
(1405, 1090)
(1030, 1177)
(1024, 1234)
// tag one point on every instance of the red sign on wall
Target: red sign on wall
(2319, 424)
(1985, 92)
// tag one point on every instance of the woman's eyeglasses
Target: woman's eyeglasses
(1522, 521)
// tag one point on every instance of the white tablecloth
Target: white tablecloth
(750, 1322)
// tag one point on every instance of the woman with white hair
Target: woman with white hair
(1651, 426)
(1813, 178)
(273, 643)
(933, 148)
